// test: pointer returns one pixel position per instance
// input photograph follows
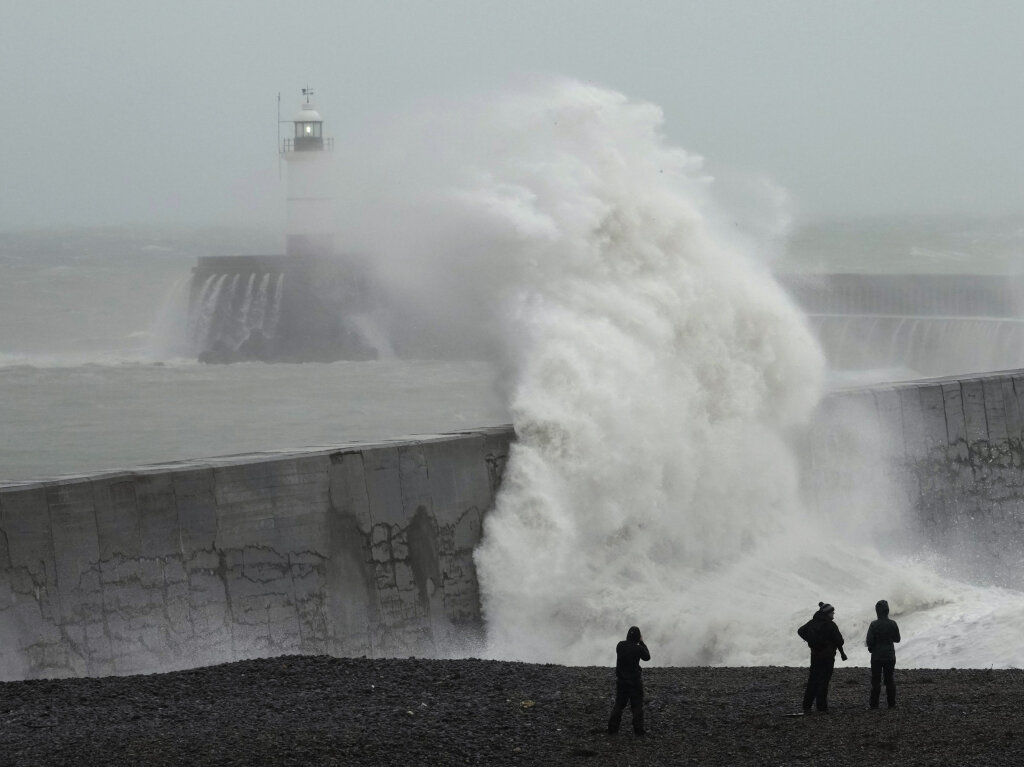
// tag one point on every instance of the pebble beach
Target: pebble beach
(299, 710)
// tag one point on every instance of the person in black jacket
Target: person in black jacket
(823, 637)
(882, 635)
(629, 686)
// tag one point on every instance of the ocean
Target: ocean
(87, 383)
(653, 369)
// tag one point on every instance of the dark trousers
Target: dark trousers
(879, 667)
(817, 683)
(632, 693)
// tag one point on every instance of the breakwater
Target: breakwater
(368, 549)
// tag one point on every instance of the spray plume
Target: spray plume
(655, 374)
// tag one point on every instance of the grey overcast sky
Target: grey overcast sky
(136, 112)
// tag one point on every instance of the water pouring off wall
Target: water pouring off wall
(926, 324)
(235, 305)
(275, 308)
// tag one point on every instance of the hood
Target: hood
(633, 635)
(882, 608)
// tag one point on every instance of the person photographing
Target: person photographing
(824, 638)
(629, 686)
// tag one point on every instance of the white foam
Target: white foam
(656, 373)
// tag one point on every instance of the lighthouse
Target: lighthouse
(310, 201)
(302, 306)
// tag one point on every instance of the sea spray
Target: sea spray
(656, 375)
(658, 371)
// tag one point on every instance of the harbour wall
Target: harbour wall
(362, 550)
(937, 465)
(368, 549)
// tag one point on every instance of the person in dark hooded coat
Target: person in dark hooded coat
(629, 686)
(824, 638)
(882, 636)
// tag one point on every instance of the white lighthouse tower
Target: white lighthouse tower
(310, 185)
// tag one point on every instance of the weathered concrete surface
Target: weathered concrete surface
(946, 454)
(358, 551)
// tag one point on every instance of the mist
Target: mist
(122, 114)
(659, 381)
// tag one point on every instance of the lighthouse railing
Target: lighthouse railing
(307, 144)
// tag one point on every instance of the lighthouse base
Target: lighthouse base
(297, 308)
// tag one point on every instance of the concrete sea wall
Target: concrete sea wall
(368, 550)
(365, 550)
(946, 456)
